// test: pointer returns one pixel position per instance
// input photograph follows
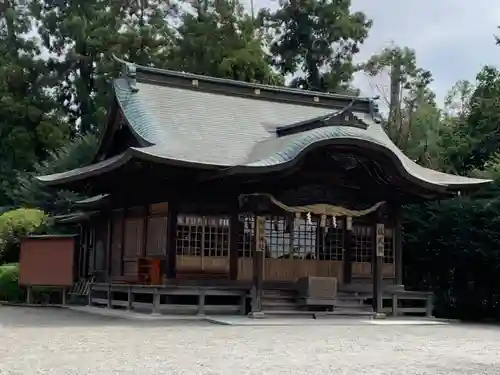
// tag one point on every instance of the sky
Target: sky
(452, 38)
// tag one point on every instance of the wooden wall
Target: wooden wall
(142, 232)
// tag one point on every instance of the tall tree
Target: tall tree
(83, 35)
(219, 39)
(317, 38)
(413, 116)
(30, 125)
(452, 141)
(482, 129)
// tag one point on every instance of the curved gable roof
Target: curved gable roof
(180, 119)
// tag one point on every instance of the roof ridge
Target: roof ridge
(130, 70)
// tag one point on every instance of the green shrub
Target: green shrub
(9, 283)
(16, 224)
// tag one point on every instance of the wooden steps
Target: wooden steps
(277, 302)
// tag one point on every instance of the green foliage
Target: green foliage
(30, 121)
(480, 133)
(52, 110)
(219, 39)
(319, 38)
(84, 35)
(414, 118)
(452, 248)
(9, 283)
(29, 192)
(16, 224)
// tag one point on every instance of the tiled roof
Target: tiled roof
(217, 129)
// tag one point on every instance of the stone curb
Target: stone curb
(13, 304)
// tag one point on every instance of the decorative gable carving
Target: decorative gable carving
(340, 118)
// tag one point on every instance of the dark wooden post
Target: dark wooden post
(258, 268)
(122, 244)
(85, 248)
(398, 245)
(171, 240)
(320, 239)
(234, 233)
(109, 244)
(147, 211)
(377, 264)
(346, 235)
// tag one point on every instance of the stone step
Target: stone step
(276, 313)
(318, 314)
(278, 293)
(351, 305)
(279, 305)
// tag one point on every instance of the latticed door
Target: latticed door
(203, 242)
(295, 246)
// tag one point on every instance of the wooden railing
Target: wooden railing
(406, 295)
(105, 295)
(395, 294)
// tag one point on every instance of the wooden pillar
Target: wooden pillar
(29, 294)
(234, 233)
(94, 247)
(377, 264)
(122, 245)
(171, 240)
(85, 248)
(398, 245)
(320, 240)
(109, 244)
(145, 230)
(258, 267)
(80, 251)
(346, 235)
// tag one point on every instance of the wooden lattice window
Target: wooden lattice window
(289, 237)
(362, 243)
(331, 243)
(202, 235)
(246, 235)
(277, 235)
(304, 238)
(389, 245)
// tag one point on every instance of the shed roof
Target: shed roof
(213, 123)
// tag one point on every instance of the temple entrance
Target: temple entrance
(295, 247)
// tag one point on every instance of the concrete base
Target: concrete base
(256, 315)
(24, 304)
(379, 316)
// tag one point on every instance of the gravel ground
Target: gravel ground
(57, 341)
